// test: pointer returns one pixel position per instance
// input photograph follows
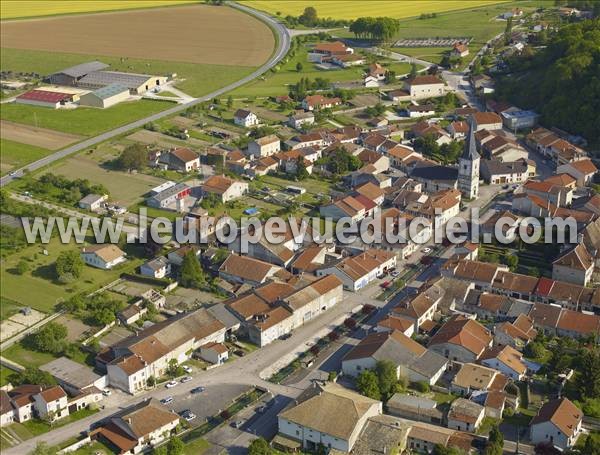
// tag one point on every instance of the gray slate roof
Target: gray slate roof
(470, 151)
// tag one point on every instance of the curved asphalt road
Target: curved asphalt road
(282, 49)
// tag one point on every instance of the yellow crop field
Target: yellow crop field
(13, 9)
(351, 9)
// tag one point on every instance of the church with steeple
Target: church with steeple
(468, 167)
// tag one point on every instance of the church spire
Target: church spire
(470, 151)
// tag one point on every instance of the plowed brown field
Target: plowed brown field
(39, 137)
(191, 34)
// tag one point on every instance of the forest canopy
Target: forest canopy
(561, 81)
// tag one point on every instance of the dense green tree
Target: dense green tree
(301, 171)
(368, 384)
(534, 350)
(386, 377)
(591, 445)
(495, 443)
(561, 81)
(22, 267)
(192, 275)
(32, 376)
(101, 309)
(588, 380)
(309, 17)
(375, 28)
(69, 262)
(162, 450)
(133, 157)
(50, 338)
(175, 446)
(299, 66)
(259, 447)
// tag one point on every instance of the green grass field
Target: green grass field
(429, 54)
(350, 9)
(38, 288)
(14, 154)
(275, 84)
(83, 121)
(197, 79)
(36, 8)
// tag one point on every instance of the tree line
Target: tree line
(375, 28)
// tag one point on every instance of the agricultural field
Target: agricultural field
(193, 79)
(35, 8)
(479, 23)
(187, 34)
(350, 9)
(83, 121)
(38, 137)
(15, 154)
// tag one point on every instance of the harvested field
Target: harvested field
(38, 137)
(192, 34)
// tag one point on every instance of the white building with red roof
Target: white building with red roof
(45, 98)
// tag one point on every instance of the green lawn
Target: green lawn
(37, 427)
(196, 447)
(39, 289)
(167, 94)
(196, 79)
(25, 357)
(84, 121)
(4, 374)
(429, 54)
(14, 154)
(275, 84)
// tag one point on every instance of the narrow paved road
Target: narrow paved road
(283, 45)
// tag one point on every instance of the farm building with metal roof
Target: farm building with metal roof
(44, 98)
(70, 76)
(105, 96)
(136, 83)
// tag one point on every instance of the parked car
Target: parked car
(239, 353)
(186, 379)
(187, 415)
(395, 274)
(167, 400)
(199, 389)
(385, 284)
(106, 392)
(187, 368)
(237, 423)
(170, 384)
(285, 336)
